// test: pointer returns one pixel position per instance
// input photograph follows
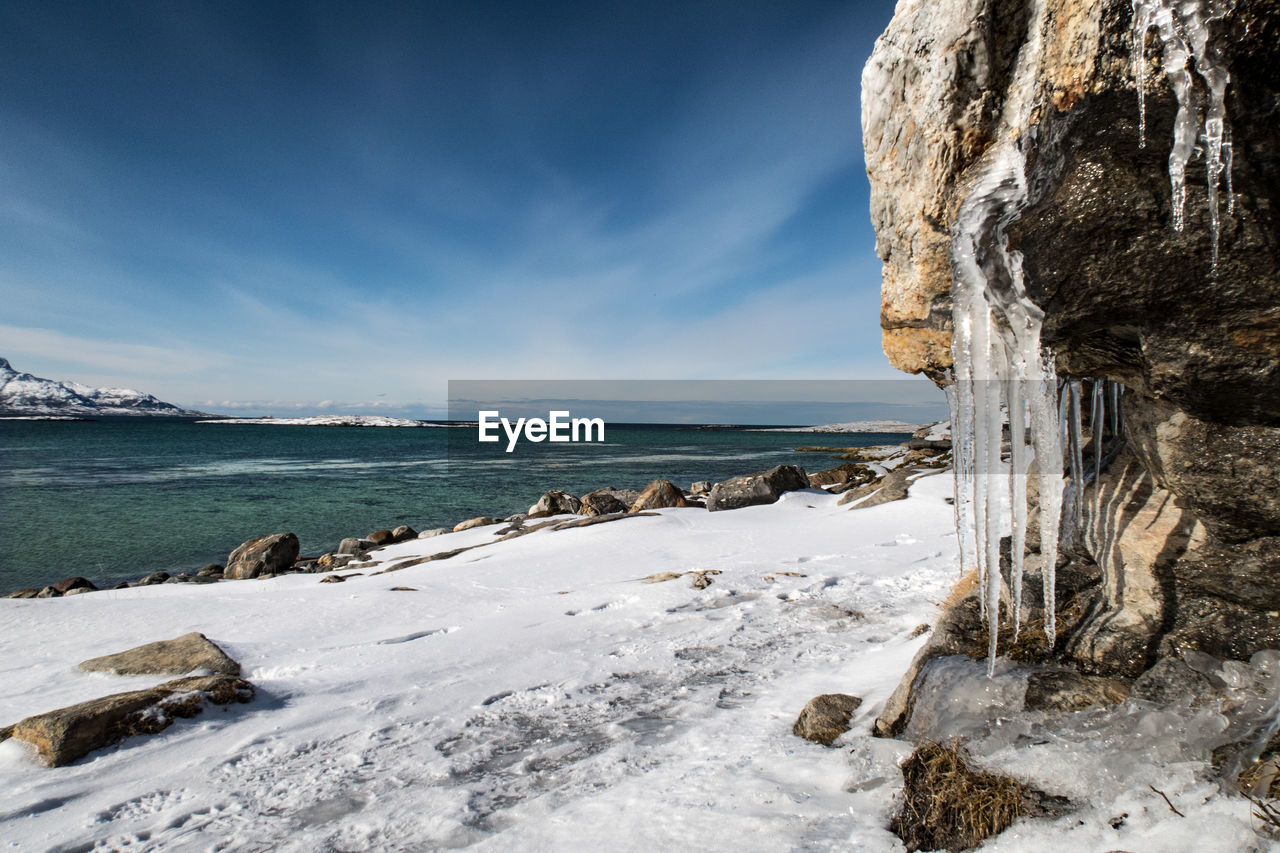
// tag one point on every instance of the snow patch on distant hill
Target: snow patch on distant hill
(327, 420)
(24, 394)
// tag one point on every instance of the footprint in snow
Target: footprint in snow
(417, 635)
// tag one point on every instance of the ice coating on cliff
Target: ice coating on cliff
(999, 361)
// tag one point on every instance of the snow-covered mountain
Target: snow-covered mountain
(24, 394)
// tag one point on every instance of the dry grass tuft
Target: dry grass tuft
(948, 806)
(1260, 785)
(967, 584)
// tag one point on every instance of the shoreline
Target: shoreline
(878, 459)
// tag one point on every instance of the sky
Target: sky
(269, 207)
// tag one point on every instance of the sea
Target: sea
(115, 500)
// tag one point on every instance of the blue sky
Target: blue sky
(277, 207)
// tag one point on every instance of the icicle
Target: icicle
(1017, 484)
(1074, 419)
(1116, 388)
(1183, 28)
(1141, 23)
(996, 344)
(1228, 155)
(1095, 426)
(1046, 440)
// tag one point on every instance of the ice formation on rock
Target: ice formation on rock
(998, 358)
(1183, 29)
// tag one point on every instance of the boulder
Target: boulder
(23, 593)
(153, 578)
(178, 656)
(848, 473)
(266, 555)
(212, 570)
(478, 521)
(826, 717)
(433, 532)
(350, 545)
(66, 734)
(77, 583)
(701, 488)
(762, 487)
(659, 494)
(48, 592)
(601, 502)
(329, 562)
(403, 533)
(891, 487)
(381, 537)
(556, 502)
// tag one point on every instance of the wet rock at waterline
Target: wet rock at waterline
(266, 555)
(657, 495)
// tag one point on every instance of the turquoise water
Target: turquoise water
(117, 500)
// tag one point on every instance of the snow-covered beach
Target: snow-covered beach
(517, 695)
(538, 693)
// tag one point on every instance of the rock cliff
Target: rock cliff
(1179, 543)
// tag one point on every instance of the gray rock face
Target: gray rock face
(266, 555)
(403, 533)
(178, 656)
(350, 545)
(826, 717)
(556, 502)
(66, 734)
(763, 487)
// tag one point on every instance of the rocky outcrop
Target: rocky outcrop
(66, 734)
(762, 487)
(178, 656)
(1176, 548)
(266, 555)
